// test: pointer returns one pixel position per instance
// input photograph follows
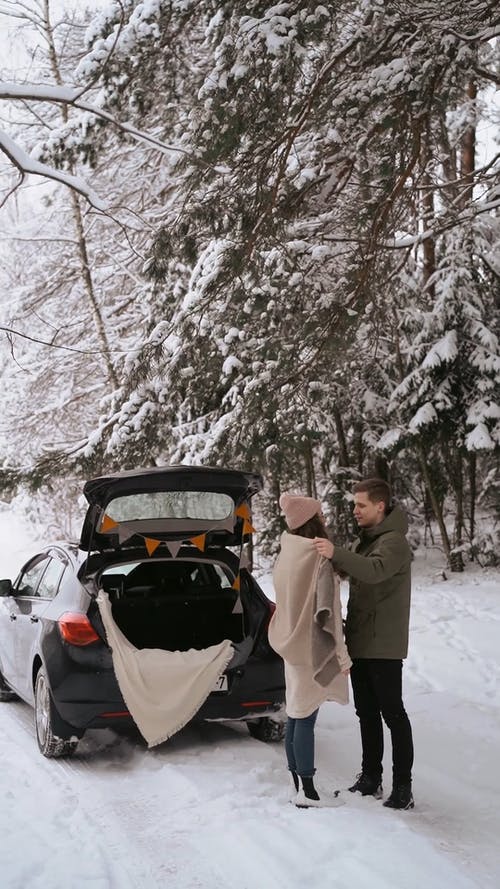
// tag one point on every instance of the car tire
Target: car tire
(49, 743)
(6, 693)
(266, 729)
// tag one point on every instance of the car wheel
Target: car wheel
(266, 729)
(6, 693)
(50, 744)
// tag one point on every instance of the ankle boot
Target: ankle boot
(309, 798)
(295, 779)
(367, 785)
(400, 798)
(309, 789)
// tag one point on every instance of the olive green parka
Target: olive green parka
(378, 611)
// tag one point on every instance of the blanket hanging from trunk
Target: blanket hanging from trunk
(162, 689)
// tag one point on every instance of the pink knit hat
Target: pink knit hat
(298, 510)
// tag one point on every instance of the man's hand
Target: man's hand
(324, 547)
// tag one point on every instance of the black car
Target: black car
(165, 544)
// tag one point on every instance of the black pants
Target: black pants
(377, 690)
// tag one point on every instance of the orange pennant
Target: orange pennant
(108, 524)
(243, 511)
(199, 541)
(248, 528)
(236, 584)
(151, 545)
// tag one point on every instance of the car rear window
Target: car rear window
(204, 505)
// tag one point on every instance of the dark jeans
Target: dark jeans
(299, 745)
(377, 690)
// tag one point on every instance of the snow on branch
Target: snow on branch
(443, 224)
(26, 164)
(65, 95)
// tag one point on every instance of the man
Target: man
(376, 632)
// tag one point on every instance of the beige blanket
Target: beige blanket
(306, 628)
(162, 689)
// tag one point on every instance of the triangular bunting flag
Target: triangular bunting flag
(236, 584)
(108, 524)
(238, 607)
(151, 545)
(199, 541)
(173, 547)
(123, 532)
(248, 528)
(243, 511)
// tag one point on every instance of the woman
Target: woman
(306, 630)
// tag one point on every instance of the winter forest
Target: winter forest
(254, 234)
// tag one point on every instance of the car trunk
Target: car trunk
(178, 604)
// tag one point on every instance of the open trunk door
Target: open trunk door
(172, 503)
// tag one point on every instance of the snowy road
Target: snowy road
(209, 808)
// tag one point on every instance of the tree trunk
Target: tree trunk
(472, 496)
(468, 154)
(90, 291)
(78, 220)
(457, 561)
(436, 506)
(428, 513)
(309, 466)
(427, 210)
(358, 440)
(382, 468)
(343, 456)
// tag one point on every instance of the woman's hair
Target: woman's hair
(312, 528)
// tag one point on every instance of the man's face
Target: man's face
(367, 513)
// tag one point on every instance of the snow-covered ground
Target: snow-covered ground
(209, 809)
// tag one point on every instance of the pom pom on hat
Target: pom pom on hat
(298, 510)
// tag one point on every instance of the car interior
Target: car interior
(175, 605)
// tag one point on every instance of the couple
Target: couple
(306, 630)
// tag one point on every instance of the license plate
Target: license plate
(221, 684)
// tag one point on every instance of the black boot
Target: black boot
(309, 798)
(400, 798)
(309, 789)
(368, 785)
(295, 779)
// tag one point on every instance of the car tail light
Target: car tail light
(76, 628)
(257, 704)
(114, 714)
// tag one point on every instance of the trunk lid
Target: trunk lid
(171, 503)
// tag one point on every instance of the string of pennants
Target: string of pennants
(124, 531)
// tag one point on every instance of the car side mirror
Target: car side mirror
(6, 588)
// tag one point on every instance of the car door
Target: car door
(25, 608)
(8, 614)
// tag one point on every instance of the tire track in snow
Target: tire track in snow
(44, 821)
(209, 810)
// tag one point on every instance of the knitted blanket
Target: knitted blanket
(302, 629)
(162, 689)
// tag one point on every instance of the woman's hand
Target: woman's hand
(324, 547)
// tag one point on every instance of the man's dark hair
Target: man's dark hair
(377, 489)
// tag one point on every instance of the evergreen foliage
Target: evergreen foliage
(309, 280)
